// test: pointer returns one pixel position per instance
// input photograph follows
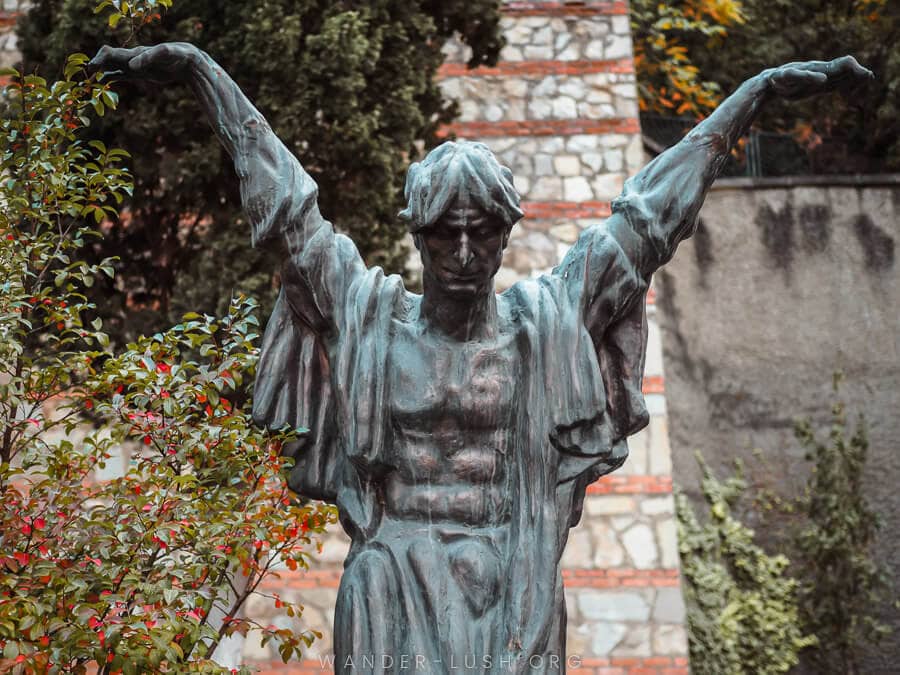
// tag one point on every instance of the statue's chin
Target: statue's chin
(465, 288)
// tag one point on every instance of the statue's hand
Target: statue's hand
(809, 78)
(166, 62)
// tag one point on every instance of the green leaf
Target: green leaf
(176, 649)
(11, 649)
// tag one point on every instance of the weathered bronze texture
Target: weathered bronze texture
(457, 430)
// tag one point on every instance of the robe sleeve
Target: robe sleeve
(607, 272)
(279, 198)
(317, 277)
(323, 278)
(607, 290)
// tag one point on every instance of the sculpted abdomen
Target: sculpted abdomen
(449, 444)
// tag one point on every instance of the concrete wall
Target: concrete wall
(784, 283)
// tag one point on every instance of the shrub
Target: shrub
(743, 612)
(123, 562)
(842, 586)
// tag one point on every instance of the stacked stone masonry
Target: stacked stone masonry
(9, 51)
(559, 33)
(560, 109)
(539, 96)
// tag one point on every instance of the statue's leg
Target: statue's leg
(369, 623)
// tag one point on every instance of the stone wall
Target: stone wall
(9, 53)
(785, 282)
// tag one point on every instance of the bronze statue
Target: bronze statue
(457, 430)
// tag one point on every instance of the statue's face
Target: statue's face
(463, 250)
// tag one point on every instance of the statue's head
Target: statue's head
(461, 208)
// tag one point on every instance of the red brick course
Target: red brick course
(614, 577)
(618, 577)
(526, 68)
(631, 485)
(611, 8)
(316, 578)
(561, 209)
(654, 384)
(484, 129)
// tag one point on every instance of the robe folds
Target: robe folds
(580, 335)
(567, 436)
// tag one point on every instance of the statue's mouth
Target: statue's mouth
(462, 276)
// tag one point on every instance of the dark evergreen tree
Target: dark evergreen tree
(347, 85)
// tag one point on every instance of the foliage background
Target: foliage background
(140, 506)
(743, 606)
(691, 52)
(348, 86)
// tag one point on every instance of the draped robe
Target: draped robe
(581, 334)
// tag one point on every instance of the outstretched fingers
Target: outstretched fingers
(154, 61)
(808, 78)
(114, 59)
(849, 67)
(847, 74)
(162, 63)
(800, 76)
(793, 81)
(845, 69)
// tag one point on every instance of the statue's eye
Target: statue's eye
(443, 233)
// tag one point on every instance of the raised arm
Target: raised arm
(659, 206)
(608, 270)
(612, 262)
(278, 195)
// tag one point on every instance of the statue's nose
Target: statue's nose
(464, 252)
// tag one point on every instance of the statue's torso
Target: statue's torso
(452, 411)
